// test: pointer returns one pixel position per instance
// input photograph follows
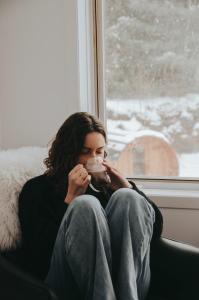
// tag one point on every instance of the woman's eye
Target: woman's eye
(84, 151)
(87, 151)
(100, 152)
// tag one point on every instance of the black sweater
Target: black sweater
(41, 210)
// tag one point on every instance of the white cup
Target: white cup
(98, 173)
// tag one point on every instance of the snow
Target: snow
(129, 137)
(127, 125)
(189, 165)
(129, 119)
(130, 107)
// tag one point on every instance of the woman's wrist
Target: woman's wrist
(129, 185)
(68, 199)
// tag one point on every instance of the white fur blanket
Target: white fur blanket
(16, 167)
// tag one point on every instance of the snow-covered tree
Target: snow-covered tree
(151, 48)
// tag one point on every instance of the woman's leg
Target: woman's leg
(130, 219)
(82, 253)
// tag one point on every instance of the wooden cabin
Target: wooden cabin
(150, 156)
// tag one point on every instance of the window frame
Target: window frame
(161, 190)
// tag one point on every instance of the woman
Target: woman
(87, 243)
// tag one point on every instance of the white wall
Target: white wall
(180, 215)
(38, 69)
(0, 124)
(181, 224)
(179, 204)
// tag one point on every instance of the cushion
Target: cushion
(16, 167)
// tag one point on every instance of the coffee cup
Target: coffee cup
(98, 173)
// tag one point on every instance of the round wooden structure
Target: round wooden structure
(148, 156)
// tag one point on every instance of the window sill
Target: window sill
(171, 194)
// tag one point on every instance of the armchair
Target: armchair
(16, 284)
(174, 266)
(174, 271)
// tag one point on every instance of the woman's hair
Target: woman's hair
(68, 143)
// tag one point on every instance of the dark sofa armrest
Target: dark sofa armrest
(17, 284)
(174, 270)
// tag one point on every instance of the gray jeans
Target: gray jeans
(103, 254)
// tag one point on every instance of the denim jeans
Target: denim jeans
(103, 254)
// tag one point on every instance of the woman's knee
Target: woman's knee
(125, 196)
(127, 204)
(85, 204)
(130, 199)
(81, 211)
(123, 192)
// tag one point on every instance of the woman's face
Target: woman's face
(94, 145)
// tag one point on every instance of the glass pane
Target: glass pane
(152, 86)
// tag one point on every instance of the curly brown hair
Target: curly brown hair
(68, 143)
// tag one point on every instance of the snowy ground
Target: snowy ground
(189, 165)
(124, 125)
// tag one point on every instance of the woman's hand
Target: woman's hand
(117, 179)
(78, 181)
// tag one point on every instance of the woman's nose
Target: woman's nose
(93, 154)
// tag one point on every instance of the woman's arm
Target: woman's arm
(40, 220)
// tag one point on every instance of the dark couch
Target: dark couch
(174, 271)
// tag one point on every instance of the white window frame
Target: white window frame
(86, 57)
(90, 58)
(167, 193)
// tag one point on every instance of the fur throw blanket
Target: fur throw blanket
(16, 167)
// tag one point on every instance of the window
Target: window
(152, 86)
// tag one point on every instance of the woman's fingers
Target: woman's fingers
(87, 180)
(110, 168)
(82, 177)
(79, 175)
(76, 169)
(82, 174)
(107, 165)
